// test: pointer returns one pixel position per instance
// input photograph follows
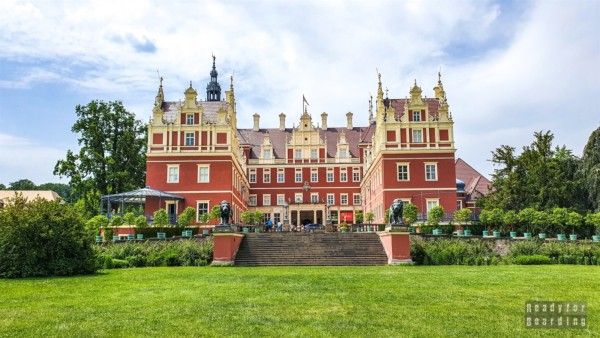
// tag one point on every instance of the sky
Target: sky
(509, 68)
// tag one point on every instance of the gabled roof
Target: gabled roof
(474, 181)
(210, 109)
(30, 195)
(433, 105)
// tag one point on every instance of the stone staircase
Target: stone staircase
(285, 248)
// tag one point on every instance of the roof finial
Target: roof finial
(231, 82)
(379, 90)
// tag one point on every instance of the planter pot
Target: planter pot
(527, 235)
(256, 230)
(513, 234)
(139, 236)
(561, 237)
(460, 233)
(115, 238)
(161, 235)
(485, 233)
(99, 239)
(497, 234)
(245, 230)
(596, 238)
(542, 235)
(573, 237)
(467, 232)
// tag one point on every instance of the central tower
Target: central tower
(213, 89)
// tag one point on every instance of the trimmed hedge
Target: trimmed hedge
(150, 232)
(155, 253)
(453, 252)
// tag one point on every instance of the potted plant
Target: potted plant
(491, 219)
(410, 215)
(463, 216)
(434, 216)
(540, 223)
(509, 221)
(497, 221)
(525, 217)
(558, 219)
(343, 227)
(593, 219)
(574, 220)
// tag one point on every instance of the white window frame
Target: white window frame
(190, 136)
(314, 175)
(343, 175)
(280, 175)
(266, 175)
(330, 176)
(207, 166)
(280, 199)
(435, 166)
(252, 200)
(314, 197)
(297, 154)
(298, 197)
(314, 154)
(342, 198)
(189, 121)
(169, 167)
(418, 114)
(416, 132)
(330, 199)
(434, 203)
(252, 175)
(266, 199)
(198, 204)
(298, 179)
(354, 199)
(355, 174)
(402, 164)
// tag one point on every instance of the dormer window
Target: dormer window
(343, 153)
(416, 116)
(267, 154)
(189, 119)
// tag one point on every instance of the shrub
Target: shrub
(186, 217)
(532, 260)
(140, 221)
(409, 212)
(160, 218)
(524, 248)
(97, 222)
(435, 215)
(44, 238)
(116, 221)
(129, 218)
(453, 252)
(119, 263)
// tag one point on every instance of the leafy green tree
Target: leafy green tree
(186, 217)
(112, 151)
(23, 184)
(409, 213)
(96, 223)
(140, 221)
(369, 217)
(525, 217)
(574, 220)
(116, 221)
(510, 220)
(492, 219)
(359, 217)
(593, 219)
(540, 176)
(462, 215)
(247, 217)
(590, 169)
(435, 216)
(161, 218)
(558, 218)
(540, 221)
(129, 218)
(63, 190)
(2, 186)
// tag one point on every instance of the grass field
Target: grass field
(297, 301)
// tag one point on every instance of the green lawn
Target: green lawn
(296, 301)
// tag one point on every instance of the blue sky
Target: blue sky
(509, 68)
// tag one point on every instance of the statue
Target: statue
(395, 217)
(225, 212)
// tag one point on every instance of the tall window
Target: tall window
(314, 197)
(356, 199)
(280, 175)
(355, 174)
(189, 119)
(432, 203)
(276, 217)
(298, 197)
(280, 199)
(298, 154)
(313, 154)
(416, 116)
(314, 175)
(298, 175)
(403, 172)
(330, 199)
(417, 136)
(266, 199)
(252, 200)
(343, 175)
(252, 176)
(330, 175)
(189, 139)
(266, 175)
(202, 208)
(172, 174)
(203, 174)
(431, 172)
(344, 199)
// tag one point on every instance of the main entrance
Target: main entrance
(306, 214)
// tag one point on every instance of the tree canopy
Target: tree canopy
(111, 157)
(590, 169)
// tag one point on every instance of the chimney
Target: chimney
(256, 120)
(349, 120)
(324, 121)
(282, 121)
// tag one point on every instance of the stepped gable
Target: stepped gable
(279, 139)
(433, 105)
(209, 109)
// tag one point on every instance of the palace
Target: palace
(309, 173)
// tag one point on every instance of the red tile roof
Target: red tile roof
(398, 104)
(474, 181)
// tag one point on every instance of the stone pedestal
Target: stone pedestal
(397, 246)
(226, 245)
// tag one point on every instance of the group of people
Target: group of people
(278, 227)
(270, 227)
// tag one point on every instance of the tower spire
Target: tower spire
(213, 89)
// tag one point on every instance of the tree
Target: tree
(540, 176)
(590, 169)
(369, 217)
(492, 218)
(558, 218)
(510, 219)
(2, 186)
(23, 184)
(435, 215)
(112, 151)
(161, 218)
(129, 218)
(359, 216)
(141, 222)
(540, 221)
(96, 223)
(63, 190)
(409, 213)
(525, 217)
(593, 219)
(574, 220)
(186, 217)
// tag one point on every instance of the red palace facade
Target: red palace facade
(303, 174)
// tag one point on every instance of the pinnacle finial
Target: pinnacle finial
(190, 84)
(161, 80)
(231, 82)
(439, 76)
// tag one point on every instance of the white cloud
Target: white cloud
(538, 70)
(22, 158)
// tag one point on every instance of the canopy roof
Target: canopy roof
(139, 195)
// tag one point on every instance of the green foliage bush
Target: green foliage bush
(44, 238)
(160, 218)
(156, 253)
(453, 252)
(186, 217)
(116, 221)
(140, 221)
(558, 252)
(95, 223)
(531, 260)
(129, 218)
